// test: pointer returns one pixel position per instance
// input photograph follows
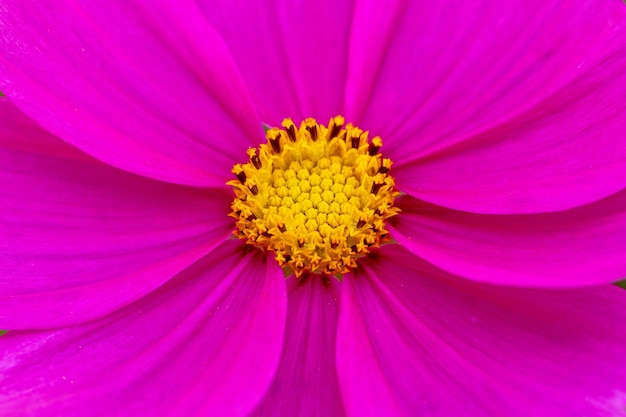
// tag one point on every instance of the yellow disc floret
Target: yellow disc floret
(317, 197)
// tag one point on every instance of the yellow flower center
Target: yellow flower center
(317, 197)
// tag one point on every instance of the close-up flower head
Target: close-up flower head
(312, 208)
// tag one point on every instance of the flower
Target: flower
(125, 292)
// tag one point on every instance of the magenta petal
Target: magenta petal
(206, 343)
(443, 346)
(151, 89)
(80, 239)
(581, 246)
(513, 107)
(367, 56)
(364, 387)
(292, 55)
(306, 383)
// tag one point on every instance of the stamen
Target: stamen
(239, 172)
(311, 127)
(290, 128)
(254, 158)
(384, 168)
(375, 146)
(375, 187)
(334, 127)
(273, 137)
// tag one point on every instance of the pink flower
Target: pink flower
(126, 294)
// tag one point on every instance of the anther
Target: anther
(376, 187)
(290, 128)
(311, 127)
(353, 138)
(375, 146)
(273, 137)
(254, 158)
(254, 189)
(239, 172)
(385, 166)
(335, 126)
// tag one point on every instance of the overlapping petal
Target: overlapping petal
(513, 107)
(445, 346)
(581, 246)
(306, 383)
(147, 87)
(357, 362)
(206, 343)
(80, 239)
(292, 55)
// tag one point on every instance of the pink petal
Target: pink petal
(80, 239)
(148, 88)
(306, 383)
(443, 346)
(514, 107)
(206, 343)
(581, 246)
(292, 55)
(357, 363)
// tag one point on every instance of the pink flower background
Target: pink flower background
(125, 294)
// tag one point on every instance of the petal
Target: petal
(80, 239)
(507, 108)
(306, 383)
(292, 55)
(450, 347)
(582, 246)
(207, 342)
(159, 95)
(357, 362)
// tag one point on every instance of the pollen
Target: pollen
(318, 197)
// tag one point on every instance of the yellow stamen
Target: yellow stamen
(316, 196)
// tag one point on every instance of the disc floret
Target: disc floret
(316, 196)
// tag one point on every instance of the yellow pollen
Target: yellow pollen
(316, 196)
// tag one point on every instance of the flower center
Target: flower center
(316, 196)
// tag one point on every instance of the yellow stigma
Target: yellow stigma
(317, 197)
